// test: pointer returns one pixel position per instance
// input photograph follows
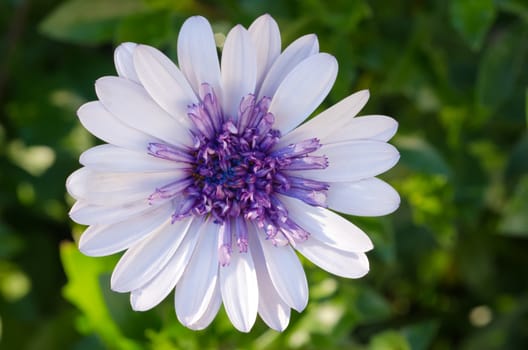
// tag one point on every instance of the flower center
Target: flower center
(234, 173)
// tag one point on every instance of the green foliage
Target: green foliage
(88, 21)
(447, 268)
(515, 219)
(472, 18)
(501, 65)
(84, 291)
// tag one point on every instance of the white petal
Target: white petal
(335, 261)
(238, 284)
(100, 240)
(101, 123)
(124, 63)
(103, 188)
(164, 82)
(326, 226)
(286, 273)
(239, 69)
(328, 122)
(197, 54)
(353, 161)
(197, 286)
(145, 260)
(132, 105)
(110, 158)
(265, 35)
(209, 314)
(294, 54)
(91, 214)
(271, 308)
(302, 91)
(369, 197)
(372, 127)
(157, 289)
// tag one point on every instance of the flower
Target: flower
(209, 183)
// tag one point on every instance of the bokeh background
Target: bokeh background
(449, 268)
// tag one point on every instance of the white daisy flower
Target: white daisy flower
(210, 183)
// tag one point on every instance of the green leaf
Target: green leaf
(371, 306)
(517, 164)
(132, 324)
(10, 242)
(88, 21)
(83, 290)
(472, 19)
(515, 7)
(515, 220)
(501, 66)
(389, 340)
(420, 335)
(421, 156)
(150, 28)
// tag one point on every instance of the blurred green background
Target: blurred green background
(449, 268)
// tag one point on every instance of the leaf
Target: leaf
(501, 66)
(10, 242)
(83, 291)
(88, 21)
(515, 220)
(420, 335)
(389, 340)
(150, 28)
(472, 19)
(420, 156)
(371, 306)
(132, 324)
(517, 164)
(515, 7)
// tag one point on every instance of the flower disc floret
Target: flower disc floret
(234, 174)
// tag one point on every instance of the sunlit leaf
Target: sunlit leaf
(83, 290)
(34, 159)
(14, 283)
(389, 340)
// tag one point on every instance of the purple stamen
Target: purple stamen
(167, 152)
(224, 249)
(312, 197)
(233, 173)
(306, 163)
(211, 106)
(201, 120)
(242, 235)
(246, 111)
(170, 190)
(298, 149)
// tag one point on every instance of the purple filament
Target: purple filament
(234, 173)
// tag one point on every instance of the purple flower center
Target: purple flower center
(234, 172)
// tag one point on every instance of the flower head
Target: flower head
(210, 183)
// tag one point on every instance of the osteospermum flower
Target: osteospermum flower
(209, 183)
